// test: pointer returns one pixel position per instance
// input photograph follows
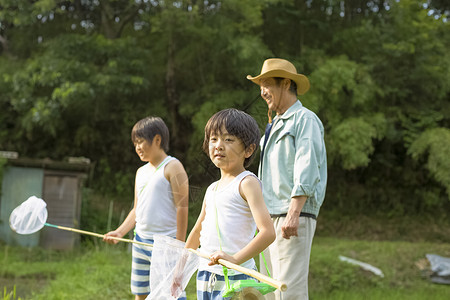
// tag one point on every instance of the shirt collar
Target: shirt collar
(290, 111)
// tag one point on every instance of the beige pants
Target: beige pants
(288, 260)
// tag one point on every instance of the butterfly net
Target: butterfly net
(171, 269)
(29, 217)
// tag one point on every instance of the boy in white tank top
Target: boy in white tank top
(160, 201)
(233, 207)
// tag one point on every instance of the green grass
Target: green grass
(80, 274)
(332, 279)
(103, 271)
(9, 295)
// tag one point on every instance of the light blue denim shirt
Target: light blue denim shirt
(295, 161)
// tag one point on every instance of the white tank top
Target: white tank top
(235, 221)
(156, 212)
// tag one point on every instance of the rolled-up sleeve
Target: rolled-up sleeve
(307, 158)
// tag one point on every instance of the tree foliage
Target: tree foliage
(76, 75)
(436, 144)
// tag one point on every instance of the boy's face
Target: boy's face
(227, 151)
(144, 149)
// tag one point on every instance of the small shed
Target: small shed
(58, 183)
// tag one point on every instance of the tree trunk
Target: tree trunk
(5, 48)
(111, 28)
(173, 99)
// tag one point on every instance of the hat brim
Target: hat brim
(300, 79)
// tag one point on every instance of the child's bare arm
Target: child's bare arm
(250, 190)
(179, 184)
(193, 240)
(128, 224)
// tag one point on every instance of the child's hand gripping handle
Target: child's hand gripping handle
(261, 277)
(97, 234)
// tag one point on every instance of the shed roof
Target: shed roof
(74, 164)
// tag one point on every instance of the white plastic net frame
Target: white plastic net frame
(29, 217)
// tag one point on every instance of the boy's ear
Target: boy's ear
(157, 140)
(249, 150)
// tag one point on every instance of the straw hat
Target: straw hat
(277, 67)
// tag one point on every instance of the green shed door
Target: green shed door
(18, 185)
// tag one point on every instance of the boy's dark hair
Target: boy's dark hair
(236, 123)
(148, 128)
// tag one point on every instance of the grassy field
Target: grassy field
(100, 271)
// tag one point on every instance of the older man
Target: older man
(293, 170)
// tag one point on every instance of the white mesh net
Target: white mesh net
(29, 217)
(172, 267)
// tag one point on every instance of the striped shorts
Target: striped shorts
(211, 285)
(140, 268)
